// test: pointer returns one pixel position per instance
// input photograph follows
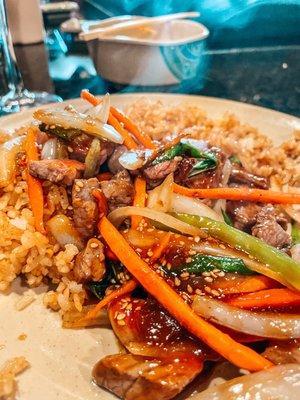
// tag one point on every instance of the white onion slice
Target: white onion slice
(189, 205)
(269, 325)
(89, 125)
(134, 159)
(161, 197)
(49, 150)
(101, 111)
(117, 217)
(279, 382)
(63, 230)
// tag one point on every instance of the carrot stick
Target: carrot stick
(248, 194)
(160, 249)
(128, 141)
(267, 298)
(238, 354)
(244, 285)
(128, 287)
(139, 199)
(142, 137)
(35, 189)
(102, 203)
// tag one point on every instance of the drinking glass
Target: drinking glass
(17, 98)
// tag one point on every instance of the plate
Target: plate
(61, 360)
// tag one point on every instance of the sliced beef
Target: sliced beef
(161, 170)
(118, 190)
(206, 179)
(283, 351)
(85, 207)
(80, 146)
(56, 171)
(134, 377)
(243, 214)
(269, 230)
(89, 263)
(113, 163)
(240, 175)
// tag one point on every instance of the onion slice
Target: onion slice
(189, 205)
(161, 197)
(117, 217)
(101, 111)
(91, 126)
(269, 325)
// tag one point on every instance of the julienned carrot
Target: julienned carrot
(35, 190)
(128, 287)
(128, 141)
(159, 250)
(238, 354)
(267, 298)
(113, 121)
(142, 137)
(102, 203)
(248, 194)
(139, 199)
(245, 284)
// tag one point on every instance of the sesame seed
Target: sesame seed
(138, 308)
(169, 266)
(222, 246)
(208, 279)
(190, 238)
(150, 253)
(163, 263)
(70, 208)
(121, 322)
(221, 273)
(80, 184)
(216, 270)
(189, 288)
(192, 252)
(213, 274)
(94, 245)
(147, 260)
(129, 306)
(77, 189)
(70, 150)
(205, 273)
(177, 281)
(197, 239)
(138, 250)
(188, 260)
(150, 229)
(185, 274)
(181, 243)
(215, 292)
(199, 292)
(121, 316)
(207, 289)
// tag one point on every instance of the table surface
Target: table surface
(265, 76)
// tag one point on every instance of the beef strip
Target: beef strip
(161, 170)
(85, 207)
(243, 214)
(206, 179)
(118, 190)
(89, 263)
(269, 230)
(80, 146)
(240, 175)
(56, 171)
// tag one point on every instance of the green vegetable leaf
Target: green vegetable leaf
(235, 160)
(111, 276)
(202, 263)
(62, 133)
(226, 217)
(206, 164)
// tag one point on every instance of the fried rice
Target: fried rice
(26, 252)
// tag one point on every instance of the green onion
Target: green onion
(296, 233)
(235, 160)
(62, 133)
(226, 217)
(276, 261)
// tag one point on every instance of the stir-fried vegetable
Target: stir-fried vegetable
(78, 121)
(296, 232)
(238, 354)
(274, 259)
(8, 152)
(63, 230)
(237, 284)
(139, 200)
(128, 140)
(53, 149)
(60, 132)
(101, 110)
(270, 325)
(242, 193)
(201, 263)
(162, 246)
(161, 197)
(35, 190)
(226, 217)
(92, 159)
(267, 298)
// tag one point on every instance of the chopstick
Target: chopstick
(117, 27)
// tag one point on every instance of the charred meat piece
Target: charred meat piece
(283, 352)
(243, 214)
(89, 263)
(161, 170)
(206, 179)
(118, 190)
(269, 230)
(113, 163)
(56, 171)
(241, 176)
(85, 207)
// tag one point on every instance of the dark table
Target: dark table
(265, 76)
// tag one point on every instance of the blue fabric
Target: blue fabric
(232, 23)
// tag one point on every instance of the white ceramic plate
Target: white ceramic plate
(61, 360)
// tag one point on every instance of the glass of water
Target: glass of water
(16, 98)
